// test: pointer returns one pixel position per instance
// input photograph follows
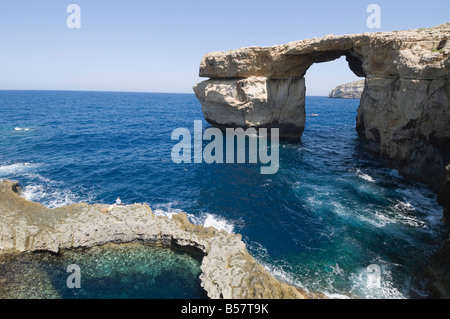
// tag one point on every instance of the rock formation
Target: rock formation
(228, 270)
(255, 102)
(352, 90)
(439, 268)
(404, 113)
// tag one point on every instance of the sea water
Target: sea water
(129, 271)
(330, 213)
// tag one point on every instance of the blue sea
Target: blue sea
(330, 212)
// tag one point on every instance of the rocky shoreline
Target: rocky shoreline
(228, 270)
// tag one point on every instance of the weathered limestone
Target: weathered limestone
(255, 102)
(439, 267)
(228, 270)
(407, 123)
(404, 115)
(352, 90)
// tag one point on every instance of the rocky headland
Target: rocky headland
(403, 115)
(228, 270)
(404, 112)
(352, 90)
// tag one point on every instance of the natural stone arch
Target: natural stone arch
(404, 113)
(228, 270)
(262, 95)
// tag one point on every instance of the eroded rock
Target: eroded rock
(228, 270)
(439, 268)
(404, 115)
(352, 90)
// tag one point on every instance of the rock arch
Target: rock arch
(228, 270)
(404, 113)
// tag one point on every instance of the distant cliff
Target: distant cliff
(352, 90)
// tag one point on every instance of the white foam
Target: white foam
(16, 169)
(160, 212)
(204, 219)
(286, 276)
(364, 176)
(424, 200)
(50, 196)
(404, 214)
(340, 210)
(32, 192)
(282, 275)
(335, 295)
(39, 188)
(21, 129)
(166, 209)
(382, 218)
(63, 198)
(362, 285)
(218, 223)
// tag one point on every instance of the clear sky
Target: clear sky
(157, 46)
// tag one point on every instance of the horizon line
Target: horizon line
(109, 91)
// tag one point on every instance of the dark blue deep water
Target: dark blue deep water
(331, 211)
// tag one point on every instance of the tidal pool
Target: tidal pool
(129, 271)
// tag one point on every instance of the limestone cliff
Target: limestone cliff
(404, 113)
(228, 270)
(352, 90)
(439, 267)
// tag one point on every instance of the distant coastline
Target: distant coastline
(352, 90)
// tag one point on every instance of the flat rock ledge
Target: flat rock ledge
(228, 270)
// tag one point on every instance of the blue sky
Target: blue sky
(157, 46)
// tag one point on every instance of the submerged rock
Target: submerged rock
(352, 90)
(228, 270)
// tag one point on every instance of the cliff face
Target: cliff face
(439, 267)
(351, 90)
(404, 113)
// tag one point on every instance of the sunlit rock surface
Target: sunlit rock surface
(228, 270)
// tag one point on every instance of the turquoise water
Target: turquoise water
(131, 271)
(331, 211)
